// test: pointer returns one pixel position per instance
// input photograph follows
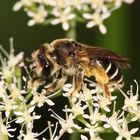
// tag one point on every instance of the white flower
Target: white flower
(6, 72)
(37, 17)
(7, 105)
(63, 17)
(96, 116)
(2, 89)
(131, 101)
(93, 138)
(66, 125)
(40, 99)
(96, 19)
(83, 137)
(112, 122)
(136, 114)
(93, 130)
(15, 60)
(16, 93)
(78, 4)
(5, 129)
(124, 132)
(77, 109)
(61, 13)
(99, 5)
(9, 66)
(22, 3)
(87, 93)
(46, 2)
(104, 102)
(30, 135)
(118, 3)
(26, 117)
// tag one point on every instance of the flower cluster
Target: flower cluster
(95, 114)
(89, 112)
(92, 12)
(15, 106)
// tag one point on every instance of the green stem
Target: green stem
(90, 107)
(28, 96)
(71, 33)
(5, 137)
(74, 136)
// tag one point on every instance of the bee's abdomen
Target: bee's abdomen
(113, 72)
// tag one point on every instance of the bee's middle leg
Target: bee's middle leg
(77, 82)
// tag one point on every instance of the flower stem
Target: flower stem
(5, 137)
(71, 33)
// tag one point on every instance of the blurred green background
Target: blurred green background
(123, 35)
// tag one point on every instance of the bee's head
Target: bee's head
(43, 66)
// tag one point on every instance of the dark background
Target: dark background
(123, 34)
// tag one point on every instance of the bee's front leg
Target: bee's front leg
(59, 83)
(34, 83)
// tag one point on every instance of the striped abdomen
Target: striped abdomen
(113, 72)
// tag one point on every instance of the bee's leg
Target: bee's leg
(34, 83)
(59, 83)
(102, 79)
(78, 81)
(106, 90)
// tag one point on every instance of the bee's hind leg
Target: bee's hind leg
(102, 79)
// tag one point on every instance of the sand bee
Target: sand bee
(65, 57)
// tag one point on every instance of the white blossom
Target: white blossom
(5, 129)
(131, 102)
(22, 3)
(77, 109)
(96, 19)
(40, 99)
(96, 116)
(90, 113)
(114, 120)
(83, 137)
(66, 125)
(46, 2)
(118, 3)
(26, 116)
(37, 17)
(63, 17)
(64, 11)
(124, 132)
(29, 134)
(3, 87)
(104, 102)
(7, 105)
(10, 63)
(93, 130)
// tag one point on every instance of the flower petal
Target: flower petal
(102, 29)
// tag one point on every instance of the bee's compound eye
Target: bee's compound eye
(46, 66)
(46, 71)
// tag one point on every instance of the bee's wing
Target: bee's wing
(103, 54)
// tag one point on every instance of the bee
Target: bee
(65, 57)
